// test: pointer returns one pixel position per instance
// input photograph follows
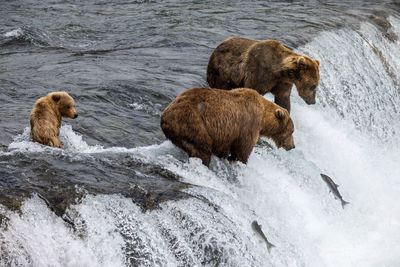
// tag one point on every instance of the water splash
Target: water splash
(70, 140)
(14, 33)
(74, 145)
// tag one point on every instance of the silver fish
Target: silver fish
(256, 227)
(334, 189)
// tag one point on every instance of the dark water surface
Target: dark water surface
(123, 62)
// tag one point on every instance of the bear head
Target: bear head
(65, 104)
(304, 73)
(281, 130)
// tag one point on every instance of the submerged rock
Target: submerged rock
(384, 26)
(147, 185)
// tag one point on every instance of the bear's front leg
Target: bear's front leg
(241, 148)
(55, 142)
(281, 93)
(197, 151)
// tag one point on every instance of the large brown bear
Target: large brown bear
(204, 121)
(46, 117)
(266, 66)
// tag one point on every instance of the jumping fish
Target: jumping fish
(256, 227)
(334, 189)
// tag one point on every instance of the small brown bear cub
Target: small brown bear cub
(46, 117)
(266, 66)
(204, 121)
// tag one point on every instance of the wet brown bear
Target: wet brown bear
(46, 117)
(204, 121)
(266, 66)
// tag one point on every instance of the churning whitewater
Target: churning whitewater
(351, 135)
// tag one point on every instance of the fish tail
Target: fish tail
(269, 247)
(344, 203)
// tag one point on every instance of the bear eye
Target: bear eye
(313, 88)
(68, 107)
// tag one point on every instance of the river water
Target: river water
(119, 194)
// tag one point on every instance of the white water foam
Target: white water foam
(147, 106)
(44, 240)
(14, 33)
(74, 144)
(70, 140)
(113, 231)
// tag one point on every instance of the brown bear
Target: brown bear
(204, 121)
(266, 66)
(46, 117)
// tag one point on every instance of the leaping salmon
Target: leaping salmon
(256, 227)
(334, 189)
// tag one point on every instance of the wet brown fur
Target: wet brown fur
(266, 66)
(204, 121)
(46, 117)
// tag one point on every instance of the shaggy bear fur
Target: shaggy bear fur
(204, 121)
(46, 117)
(266, 66)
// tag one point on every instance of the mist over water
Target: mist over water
(119, 194)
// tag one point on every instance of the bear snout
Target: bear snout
(76, 115)
(310, 101)
(288, 144)
(289, 147)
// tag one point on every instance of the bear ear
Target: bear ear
(55, 97)
(280, 114)
(317, 61)
(301, 61)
